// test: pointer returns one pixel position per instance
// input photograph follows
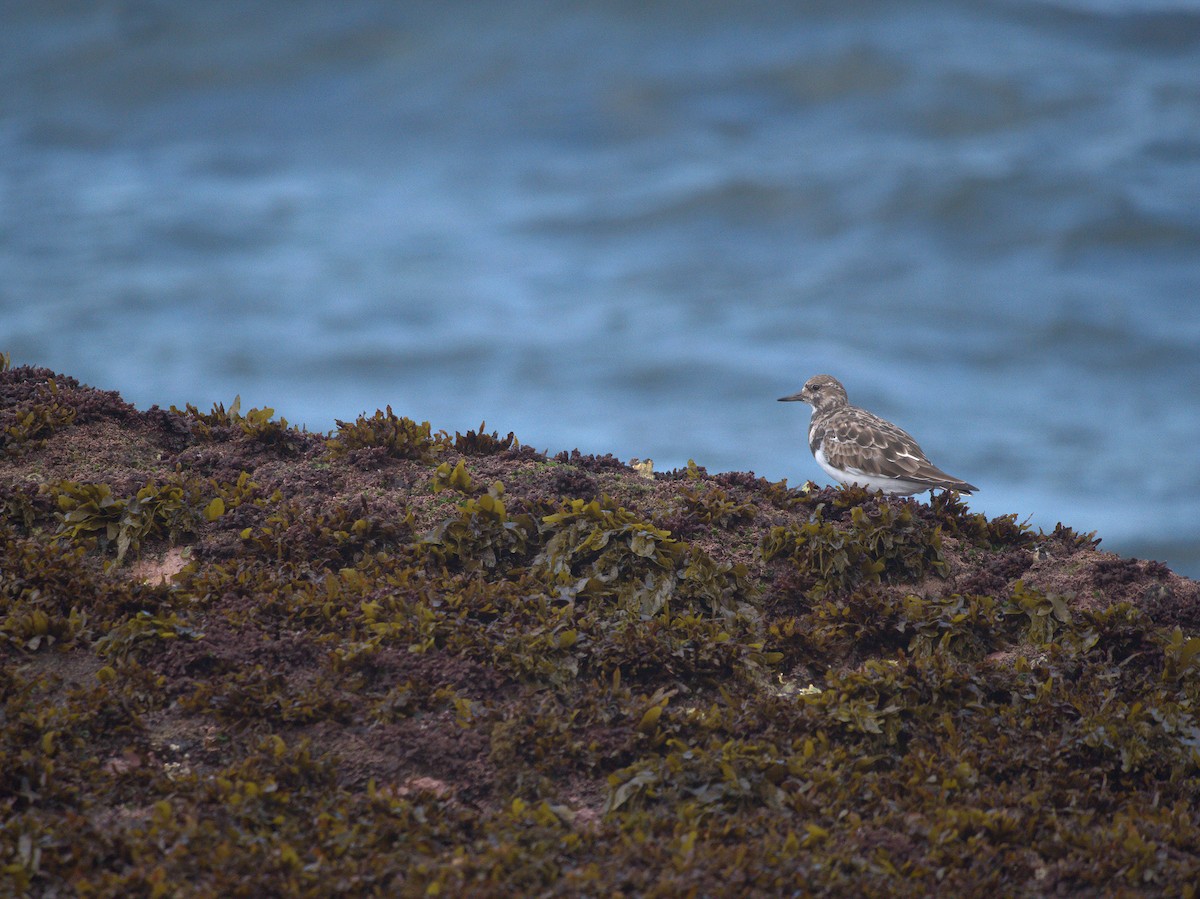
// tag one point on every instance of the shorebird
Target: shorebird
(856, 447)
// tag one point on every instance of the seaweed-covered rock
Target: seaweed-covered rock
(237, 658)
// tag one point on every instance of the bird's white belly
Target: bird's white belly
(894, 486)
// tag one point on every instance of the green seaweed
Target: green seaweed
(256, 695)
(880, 543)
(258, 425)
(92, 511)
(600, 549)
(358, 685)
(714, 507)
(130, 637)
(397, 436)
(27, 426)
(456, 478)
(483, 534)
(481, 443)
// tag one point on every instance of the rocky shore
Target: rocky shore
(241, 659)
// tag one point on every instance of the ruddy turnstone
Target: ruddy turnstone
(856, 447)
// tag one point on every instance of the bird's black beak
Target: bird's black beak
(794, 398)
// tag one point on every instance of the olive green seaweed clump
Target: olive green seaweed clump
(239, 659)
(26, 425)
(398, 436)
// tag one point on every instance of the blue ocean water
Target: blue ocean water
(628, 228)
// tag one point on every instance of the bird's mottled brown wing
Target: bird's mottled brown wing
(856, 440)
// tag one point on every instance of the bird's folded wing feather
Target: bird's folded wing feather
(868, 444)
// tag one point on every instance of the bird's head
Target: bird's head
(821, 392)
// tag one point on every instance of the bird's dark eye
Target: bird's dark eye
(815, 387)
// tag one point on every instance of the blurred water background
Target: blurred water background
(629, 227)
